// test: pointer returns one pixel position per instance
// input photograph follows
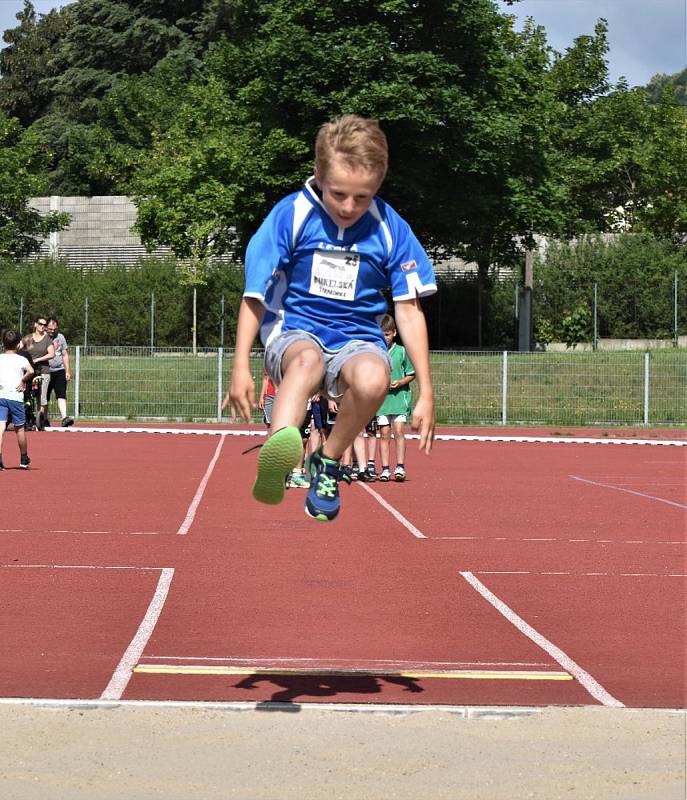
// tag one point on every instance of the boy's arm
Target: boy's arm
(241, 394)
(29, 372)
(410, 321)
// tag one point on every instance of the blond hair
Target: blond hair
(359, 142)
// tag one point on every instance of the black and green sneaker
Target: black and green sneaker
(322, 501)
(278, 456)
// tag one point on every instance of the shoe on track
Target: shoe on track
(347, 475)
(385, 474)
(297, 480)
(322, 501)
(24, 462)
(399, 474)
(67, 422)
(278, 456)
(2, 466)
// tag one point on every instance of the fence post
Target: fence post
(646, 388)
(504, 389)
(595, 342)
(220, 353)
(85, 323)
(675, 331)
(77, 380)
(152, 322)
(221, 322)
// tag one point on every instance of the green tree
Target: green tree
(21, 177)
(26, 63)
(461, 96)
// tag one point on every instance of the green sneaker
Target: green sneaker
(278, 456)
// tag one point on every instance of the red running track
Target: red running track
(501, 573)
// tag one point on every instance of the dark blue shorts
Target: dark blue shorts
(15, 407)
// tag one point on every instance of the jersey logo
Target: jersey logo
(408, 265)
(334, 275)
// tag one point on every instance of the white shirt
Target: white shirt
(12, 370)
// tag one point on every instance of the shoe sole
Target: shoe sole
(383, 479)
(399, 478)
(278, 456)
(321, 516)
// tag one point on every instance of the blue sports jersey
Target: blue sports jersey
(312, 275)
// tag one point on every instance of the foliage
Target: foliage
(634, 274)
(22, 177)
(119, 301)
(678, 83)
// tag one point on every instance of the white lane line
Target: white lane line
(590, 684)
(647, 542)
(45, 531)
(75, 566)
(191, 513)
(446, 437)
(587, 574)
(122, 674)
(394, 513)
(628, 491)
(356, 663)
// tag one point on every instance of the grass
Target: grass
(543, 388)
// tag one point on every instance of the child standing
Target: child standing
(395, 409)
(15, 374)
(315, 273)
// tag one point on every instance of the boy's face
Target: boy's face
(346, 193)
(389, 337)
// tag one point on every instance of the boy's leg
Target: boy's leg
(3, 423)
(364, 380)
(400, 439)
(384, 444)
(302, 370)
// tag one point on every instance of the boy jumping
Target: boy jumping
(15, 374)
(315, 272)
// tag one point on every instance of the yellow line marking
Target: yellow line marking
(454, 674)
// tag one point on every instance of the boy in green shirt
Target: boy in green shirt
(394, 411)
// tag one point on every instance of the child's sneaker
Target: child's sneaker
(2, 466)
(24, 462)
(346, 474)
(355, 472)
(400, 473)
(66, 422)
(322, 501)
(278, 456)
(367, 475)
(298, 480)
(385, 474)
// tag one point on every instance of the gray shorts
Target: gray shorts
(333, 360)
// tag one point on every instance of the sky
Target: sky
(646, 37)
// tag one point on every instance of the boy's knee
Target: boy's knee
(306, 359)
(369, 376)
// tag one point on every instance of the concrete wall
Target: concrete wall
(100, 231)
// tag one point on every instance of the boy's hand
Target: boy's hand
(423, 422)
(241, 394)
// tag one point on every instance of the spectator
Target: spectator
(40, 347)
(60, 374)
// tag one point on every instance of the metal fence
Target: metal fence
(609, 388)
